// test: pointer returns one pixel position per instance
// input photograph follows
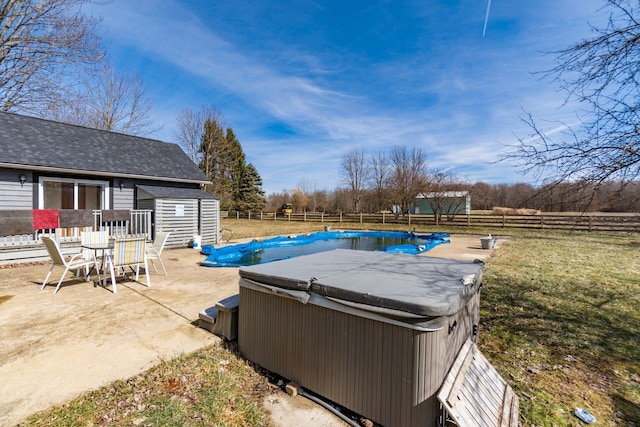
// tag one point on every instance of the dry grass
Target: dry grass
(511, 211)
(210, 387)
(559, 319)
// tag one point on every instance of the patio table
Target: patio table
(99, 247)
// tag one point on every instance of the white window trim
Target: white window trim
(106, 202)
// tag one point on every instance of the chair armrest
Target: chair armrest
(152, 251)
(76, 256)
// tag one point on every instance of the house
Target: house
(444, 202)
(50, 165)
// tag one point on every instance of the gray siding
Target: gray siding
(12, 194)
(147, 204)
(381, 371)
(122, 199)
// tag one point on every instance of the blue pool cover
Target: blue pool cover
(284, 247)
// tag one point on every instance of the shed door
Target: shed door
(474, 394)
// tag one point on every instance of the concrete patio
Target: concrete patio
(55, 347)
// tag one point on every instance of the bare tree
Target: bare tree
(443, 196)
(601, 73)
(301, 196)
(353, 171)
(117, 102)
(299, 199)
(109, 101)
(378, 179)
(320, 200)
(191, 126)
(483, 196)
(42, 42)
(408, 170)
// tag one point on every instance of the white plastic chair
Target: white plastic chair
(76, 262)
(155, 249)
(92, 237)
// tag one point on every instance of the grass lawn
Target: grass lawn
(559, 319)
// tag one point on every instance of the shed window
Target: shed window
(58, 193)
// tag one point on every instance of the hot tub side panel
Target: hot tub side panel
(434, 353)
(387, 373)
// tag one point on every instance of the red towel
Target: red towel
(45, 218)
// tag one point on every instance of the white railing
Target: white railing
(139, 223)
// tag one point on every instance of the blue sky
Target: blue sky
(303, 82)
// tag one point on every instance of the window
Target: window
(60, 193)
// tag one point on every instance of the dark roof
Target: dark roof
(175, 192)
(38, 144)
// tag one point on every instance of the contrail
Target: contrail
(486, 18)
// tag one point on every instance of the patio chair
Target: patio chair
(127, 252)
(155, 249)
(92, 237)
(94, 246)
(75, 263)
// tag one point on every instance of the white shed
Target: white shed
(185, 212)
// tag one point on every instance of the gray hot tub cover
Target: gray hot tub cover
(425, 286)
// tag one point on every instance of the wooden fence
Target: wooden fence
(586, 222)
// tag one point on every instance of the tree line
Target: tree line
(484, 196)
(381, 181)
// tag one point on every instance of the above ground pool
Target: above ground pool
(277, 248)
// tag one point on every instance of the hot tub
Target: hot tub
(374, 332)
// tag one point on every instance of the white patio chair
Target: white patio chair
(127, 252)
(76, 262)
(92, 237)
(155, 249)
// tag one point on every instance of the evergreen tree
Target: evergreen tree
(237, 184)
(236, 165)
(250, 194)
(216, 161)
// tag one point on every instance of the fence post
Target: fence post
(249, 215)
(383, 217)
(504, 220)
(409, 218)
(340, 217)
(468, 220)
(590, 223)
(275, 214)
(237, 214)
(305, 216)
(321, 216)
(360, 217)
(541, 222)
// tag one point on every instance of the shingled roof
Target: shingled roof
(37, 144)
